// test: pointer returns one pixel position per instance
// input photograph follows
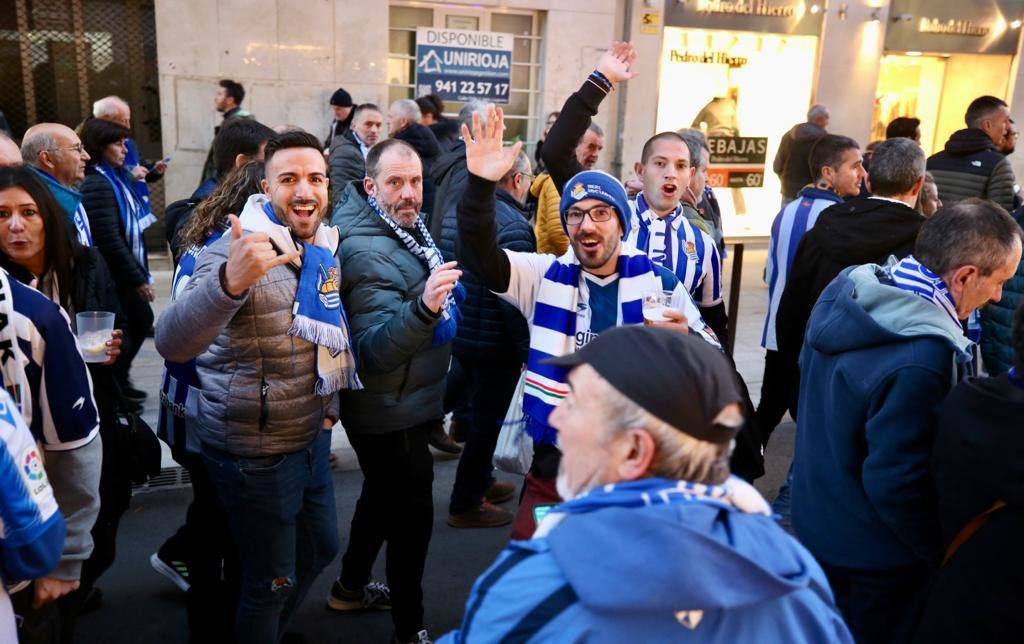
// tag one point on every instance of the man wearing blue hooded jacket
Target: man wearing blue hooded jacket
(656, 539)
(884, 345)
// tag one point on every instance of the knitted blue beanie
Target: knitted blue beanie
(594, 184)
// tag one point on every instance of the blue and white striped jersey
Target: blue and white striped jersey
(789, 227)
(686, 250)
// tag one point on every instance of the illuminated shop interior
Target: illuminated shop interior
(741, 84)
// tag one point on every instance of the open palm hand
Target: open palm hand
(486, 155)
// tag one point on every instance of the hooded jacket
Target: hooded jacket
(972, 166)
(851, 233)
(979, 459)
(793, 159)
(402, 371)
(876, 366)
(551, 237)
(686, 571)
(425, 143)
(345, 163)
(997, 320)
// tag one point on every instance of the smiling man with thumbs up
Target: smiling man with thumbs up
(263, 319)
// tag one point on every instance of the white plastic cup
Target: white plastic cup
(655, 303)
(95, 328)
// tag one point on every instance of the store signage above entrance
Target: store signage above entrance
(460, 65)
(765, 16)
(737, 161)
(954, 27)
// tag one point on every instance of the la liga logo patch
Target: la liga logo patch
(32, 464)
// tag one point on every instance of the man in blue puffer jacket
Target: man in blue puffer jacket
(658, 541)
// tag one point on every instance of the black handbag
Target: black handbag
(137, 447)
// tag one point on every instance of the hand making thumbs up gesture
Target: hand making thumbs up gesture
(249, 258)
(486, 155)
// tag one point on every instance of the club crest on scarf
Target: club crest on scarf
(327, 287)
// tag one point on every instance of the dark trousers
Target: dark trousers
(491, 385)
(778, 389)
(878, 605)
(280, 510)
(139, 314)
(204, 543)
(396, 506)
(457, 393)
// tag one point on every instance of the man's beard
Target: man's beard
(405, 220)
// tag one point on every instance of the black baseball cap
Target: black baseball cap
(678, 378)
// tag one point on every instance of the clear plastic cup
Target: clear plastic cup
(95, 328)
(655, 303)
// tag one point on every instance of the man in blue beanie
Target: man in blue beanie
(598, 284)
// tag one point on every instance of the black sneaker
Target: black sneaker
(132, 393)
(174, 569)
(422, 637)
(372, 596)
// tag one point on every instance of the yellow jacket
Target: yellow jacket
(550, 236)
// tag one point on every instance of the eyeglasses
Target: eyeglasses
(598, 214)
(78, 149)
(527, 175)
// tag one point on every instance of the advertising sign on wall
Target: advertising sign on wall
(737, 161)
(460, 65)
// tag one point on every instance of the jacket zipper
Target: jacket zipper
(264, 388)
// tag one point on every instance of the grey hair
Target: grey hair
(596, 129)
(475, 106)
(677, 455)
(970, 232)
(34, 144)
(817, 111)
(695, 141)
(896, 165)
(408, 108)
(521, 164)
(108, 106)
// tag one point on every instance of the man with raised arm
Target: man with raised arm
(569, 300)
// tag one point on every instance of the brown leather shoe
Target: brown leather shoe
(484, 515)
(440, 441)
(499, 492)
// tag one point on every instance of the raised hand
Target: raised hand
(250, 257)
(486, 155)
(439, 285)
(616, 61)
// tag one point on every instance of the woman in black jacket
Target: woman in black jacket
(117, 219)
(37, 247)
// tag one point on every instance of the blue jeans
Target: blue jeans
(280, 510)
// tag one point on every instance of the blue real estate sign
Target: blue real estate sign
(460, 65)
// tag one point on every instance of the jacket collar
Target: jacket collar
(68, 199)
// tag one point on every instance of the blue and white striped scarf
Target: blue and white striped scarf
(912, 276)
(674, 244)
(431, 256)
(554, 327)
(134, 217)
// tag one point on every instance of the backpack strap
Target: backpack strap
(968, 530)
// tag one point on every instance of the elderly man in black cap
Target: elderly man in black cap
(655, 537)
(342, 107)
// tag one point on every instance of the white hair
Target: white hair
(677, 455)
(817, 111)
(475, 106)
(407, 109)
(109, 106)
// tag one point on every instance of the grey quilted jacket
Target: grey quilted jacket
(257, 382)
(345, 164)
(970, 166)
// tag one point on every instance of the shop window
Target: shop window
(521, 113)
(727, 83)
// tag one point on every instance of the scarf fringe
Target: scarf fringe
(320, 333)
(345, 378)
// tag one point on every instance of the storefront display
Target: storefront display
(729, 85)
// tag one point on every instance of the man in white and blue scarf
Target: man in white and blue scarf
(263, 319)
(656, 539)
(884, 346)
(568, 301)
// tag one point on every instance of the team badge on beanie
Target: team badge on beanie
(594, 184)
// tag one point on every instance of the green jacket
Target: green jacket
(403, 373)
(997, 320)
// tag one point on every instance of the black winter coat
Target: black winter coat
(490, 328)
(425, 143)
(108, 232)
(450, 177)
(978, 458)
